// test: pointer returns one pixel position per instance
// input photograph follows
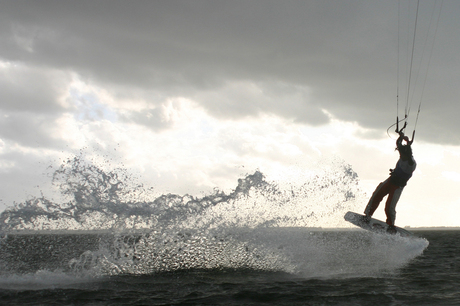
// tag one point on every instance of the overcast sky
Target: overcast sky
(191, 95)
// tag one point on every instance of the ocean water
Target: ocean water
(107, 242)
(280, 266)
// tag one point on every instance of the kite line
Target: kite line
(418, 57)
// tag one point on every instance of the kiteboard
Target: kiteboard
(373, 225)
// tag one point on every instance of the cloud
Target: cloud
(251, 99)
(193, 93)
(31, 89)
(29, 130)
(181, 47)
(451, 175)
(342, 54)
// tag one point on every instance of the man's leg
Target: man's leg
(380, 192)
(390, 206)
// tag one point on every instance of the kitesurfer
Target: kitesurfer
(394, 185)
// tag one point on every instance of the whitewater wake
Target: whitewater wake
(107, 227)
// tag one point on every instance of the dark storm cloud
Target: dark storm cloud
(241, 99)
(342, 52)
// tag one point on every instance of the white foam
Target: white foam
(42, 279)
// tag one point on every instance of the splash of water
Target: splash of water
(102, 200)
(298, 251)
(260, 225)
